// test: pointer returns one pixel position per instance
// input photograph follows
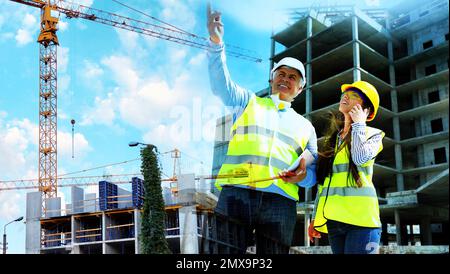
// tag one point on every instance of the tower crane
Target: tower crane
(48, 42)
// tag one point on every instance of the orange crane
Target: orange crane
(48, 41)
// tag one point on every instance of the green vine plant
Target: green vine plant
(153, 238)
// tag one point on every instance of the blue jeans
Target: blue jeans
(351, 239)
(270, 215)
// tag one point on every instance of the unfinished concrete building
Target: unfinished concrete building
(111, 223)
(404, 53)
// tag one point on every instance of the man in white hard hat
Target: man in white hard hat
(267, 137)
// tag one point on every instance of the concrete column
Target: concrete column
(308, 101)
(399, 167)
(398, 227)
(356, 52)
(272, 54)
(308, 108)
(214, 235)
(205, 233)
(425, 231)
(137, 231)
(395, 120)
(103, 233)
(272, 50)
(384, 234)
(75, 248)
(188, 230)
(307, 216)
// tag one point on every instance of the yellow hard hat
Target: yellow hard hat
(370, 91)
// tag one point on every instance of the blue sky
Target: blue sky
(119, 87)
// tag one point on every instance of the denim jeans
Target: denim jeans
(271, 216)
(350, 239)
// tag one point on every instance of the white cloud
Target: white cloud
(63, 59)
(31, 131)
(27, 31)
(63, 64)
(372, 3)
(253, 14)
(19, 141)
(17, 161)
(91, 74)
(80, 25)
(91, 70)
(103, 112)
(81, 145)
(13, 147)
(139, 101)
(178, 13)
(62, 25)
(23, 37)
(123, 71)
(178, 55)
(148, 104)
(198, 59)
(29, 21)
(130, 42)
(86, 3)
(9, 206)
(63, 82)
(64, 78)
(6, 36)
(3, 115)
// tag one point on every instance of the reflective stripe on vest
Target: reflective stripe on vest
(269, 133)
(341, 200)
(261, 145)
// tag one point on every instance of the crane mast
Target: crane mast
(48, 165)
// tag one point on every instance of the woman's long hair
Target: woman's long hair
(327, 152)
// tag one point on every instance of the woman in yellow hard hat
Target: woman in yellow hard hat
(346, 205)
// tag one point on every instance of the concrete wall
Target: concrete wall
(428, 151)
(436, 33)
(441, 64)
(53, 206)
(33, 224)
(186, 188)
(77, 195)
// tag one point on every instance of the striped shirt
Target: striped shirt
(363, 150)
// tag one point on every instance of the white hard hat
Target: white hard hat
(292, 63)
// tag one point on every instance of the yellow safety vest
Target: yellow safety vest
(343, 201)
(262, 145)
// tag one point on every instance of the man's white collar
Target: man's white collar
(280, 104)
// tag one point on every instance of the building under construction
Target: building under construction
(402, 51)
(111, 222)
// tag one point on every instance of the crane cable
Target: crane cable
(181, 30)
(154, 18)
